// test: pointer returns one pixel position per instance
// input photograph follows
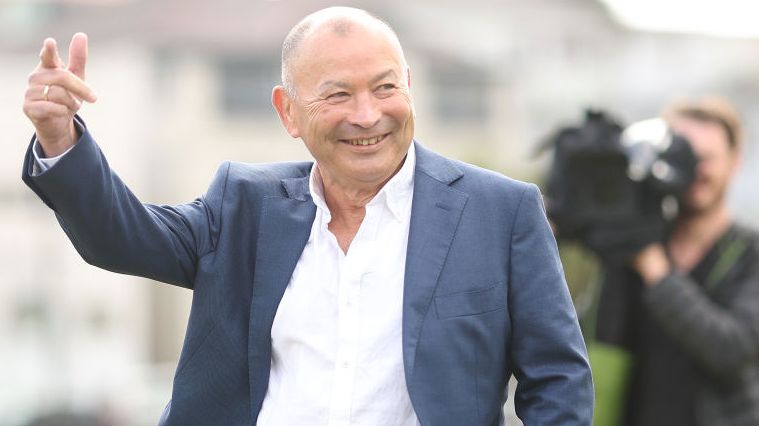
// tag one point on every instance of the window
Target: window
(246, 84)
(461, 93)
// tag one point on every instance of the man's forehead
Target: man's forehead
(704, 136)
(687, 124)
(340, 20)
(360, 44)
(336, 30)
(339, 38)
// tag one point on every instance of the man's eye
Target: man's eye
(385, 90)
(337, 96)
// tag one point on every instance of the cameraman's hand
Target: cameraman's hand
(55, 94)
(652, 264)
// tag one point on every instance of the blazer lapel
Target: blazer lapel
(435, 214)
(283, 233)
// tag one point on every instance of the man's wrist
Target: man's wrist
(42, 158)
(57, 147)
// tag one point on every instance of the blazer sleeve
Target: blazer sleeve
(112, 229)
(550, 359)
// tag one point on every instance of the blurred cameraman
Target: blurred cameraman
(688, 309)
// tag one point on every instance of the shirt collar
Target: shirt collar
(392, 194)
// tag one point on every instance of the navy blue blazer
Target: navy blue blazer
(484, 294)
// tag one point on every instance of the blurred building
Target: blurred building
(184, 85)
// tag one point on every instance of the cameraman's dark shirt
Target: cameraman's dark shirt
(661, 392)
(668, 384)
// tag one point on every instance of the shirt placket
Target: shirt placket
(352, 270)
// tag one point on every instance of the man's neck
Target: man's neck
(347, 206)
(695, 234)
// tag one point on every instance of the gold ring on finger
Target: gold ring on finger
(46, 92)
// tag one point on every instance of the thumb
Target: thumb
(78, 54)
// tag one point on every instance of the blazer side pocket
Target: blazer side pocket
(471, 302)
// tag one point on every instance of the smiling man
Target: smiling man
(380, 285)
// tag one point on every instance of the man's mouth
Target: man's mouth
(366, 141)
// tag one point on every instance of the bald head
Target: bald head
(340, 21)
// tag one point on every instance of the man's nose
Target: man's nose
(366, 111)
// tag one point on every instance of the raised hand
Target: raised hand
(55, 94)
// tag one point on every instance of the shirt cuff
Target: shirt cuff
(42, 164)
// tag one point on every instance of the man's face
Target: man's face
(353, 108)
(717, 163)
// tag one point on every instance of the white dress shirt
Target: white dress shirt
(337, 356)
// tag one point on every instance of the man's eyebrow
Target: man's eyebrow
(333, 83)
(384, 74)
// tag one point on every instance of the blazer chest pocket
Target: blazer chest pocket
(471, 302)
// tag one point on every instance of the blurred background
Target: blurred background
(185, 84)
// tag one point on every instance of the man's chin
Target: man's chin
(693, 208)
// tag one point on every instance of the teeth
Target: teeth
(365, 142)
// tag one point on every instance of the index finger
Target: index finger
(49, 56)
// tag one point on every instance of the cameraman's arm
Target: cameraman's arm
(723, 339)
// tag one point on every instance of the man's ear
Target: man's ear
(284, 106)
(411, 99)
